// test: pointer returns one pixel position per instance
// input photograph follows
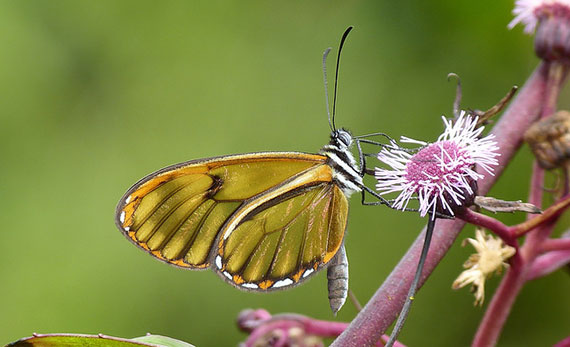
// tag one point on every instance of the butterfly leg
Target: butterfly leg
(363, 170)
(362, 156)
(361, 159)
(390, 203)
(381, 200)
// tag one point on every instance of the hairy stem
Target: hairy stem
(383, 307)
(556, 75)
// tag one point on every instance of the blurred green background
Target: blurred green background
(95, 95)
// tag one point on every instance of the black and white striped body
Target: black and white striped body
(345, 171)
(347, 176)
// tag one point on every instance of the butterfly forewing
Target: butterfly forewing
(176, 214)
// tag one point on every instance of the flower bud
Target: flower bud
(549, 140)
(551, 19)
(552, 38)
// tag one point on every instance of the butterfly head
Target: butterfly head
(341, 138)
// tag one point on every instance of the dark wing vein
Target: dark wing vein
(251, 254)
(157, 206)
(196, 231)
(306, 232)
(168, 214)
(329, 224)
(329, 210)
(314, 201)
(277, 248)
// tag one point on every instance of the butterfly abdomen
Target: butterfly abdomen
(337, 276)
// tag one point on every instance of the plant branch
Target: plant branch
(384, 306)
(549, 214)
(562, 244)
(547, 263)
(494, 225)
(496, 315)
(413, 287)
(556, 75)
(499, 308)
(563, 343)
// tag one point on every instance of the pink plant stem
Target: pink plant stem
(499, 308)
(510, 233)
(496, 315)
(333, 329)
(556, 74)
(563, 343)
(551, 213)
(498, 228)
(536, 183)
(556, 245)
(547, 263)
(324, 328)
(384, 306)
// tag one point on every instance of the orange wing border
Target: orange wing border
(125, 208)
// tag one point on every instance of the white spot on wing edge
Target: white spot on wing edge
(283, 283)
(308, 272)
(122, 217)
(127, 228)
(250, 285)
(128, 199)
(218, 262)
(228, 275)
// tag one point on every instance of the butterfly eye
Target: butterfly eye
(345, 138)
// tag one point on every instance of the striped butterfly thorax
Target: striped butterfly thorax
(262, 221)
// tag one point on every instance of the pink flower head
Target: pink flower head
(530, 12)
(442, 174)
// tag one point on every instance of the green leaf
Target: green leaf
(72, 340)
(162, 341)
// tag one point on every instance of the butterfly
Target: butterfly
(262, 221)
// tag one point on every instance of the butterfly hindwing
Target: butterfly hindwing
(177, 214)
(285, 234)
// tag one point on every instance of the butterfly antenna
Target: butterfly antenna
(325, 55)
(346, 32)
(413, 288)
(457, 99)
